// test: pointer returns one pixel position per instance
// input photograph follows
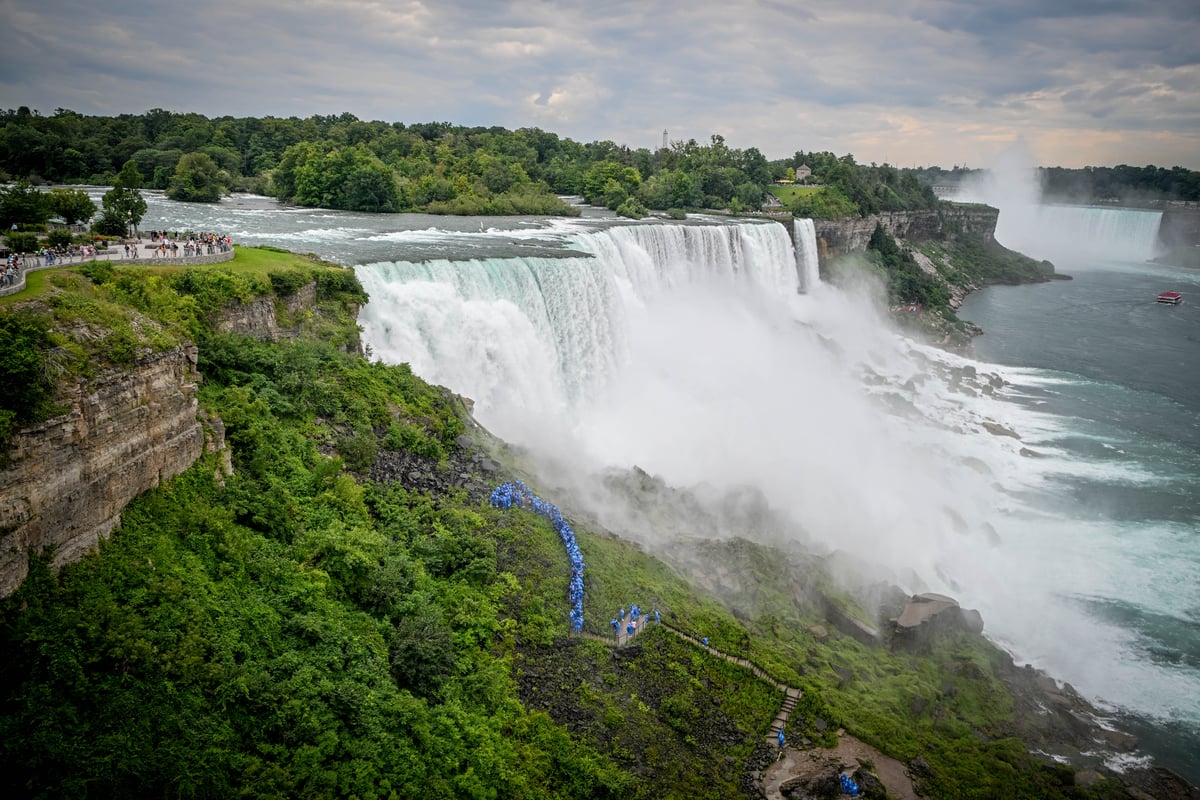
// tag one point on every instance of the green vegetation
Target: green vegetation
(850, 189)
(197, 179)
(789, 194)
(124, 205)
(907, 282)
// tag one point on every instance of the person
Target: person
(704, 640)
(781, 737)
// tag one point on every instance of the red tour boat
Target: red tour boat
(1170, 298)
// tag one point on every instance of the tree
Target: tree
(196, 180)
(73, 205)
(23, 203)
(124, 202)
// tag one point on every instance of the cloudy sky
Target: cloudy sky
(909, 82)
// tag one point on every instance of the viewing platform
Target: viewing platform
(115, 255)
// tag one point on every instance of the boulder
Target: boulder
(929, 614)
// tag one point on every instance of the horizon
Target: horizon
(930, 83)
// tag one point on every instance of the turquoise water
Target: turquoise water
(1120, 376)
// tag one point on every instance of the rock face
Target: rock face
(257, 318)
(842, 236)
(69, 477)
(928, 614)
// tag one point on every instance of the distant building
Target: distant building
(803, 173)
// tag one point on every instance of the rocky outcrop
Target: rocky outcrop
(928, 614)
(838, 237)
(259, 317)
(67, 479)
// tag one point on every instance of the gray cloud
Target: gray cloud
(907, 81)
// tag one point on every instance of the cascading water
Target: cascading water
(806, 254)
(1059, 232)
(530, 338)
(688, 350)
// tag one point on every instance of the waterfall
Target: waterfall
(1073, 232)
(688, 350)
(806, 254)
(533, 337)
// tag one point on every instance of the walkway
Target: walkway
(113, 256)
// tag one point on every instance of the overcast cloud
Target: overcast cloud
(909, 82)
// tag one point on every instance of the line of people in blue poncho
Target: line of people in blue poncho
(516, 493)
(849, 786)
(637, 619)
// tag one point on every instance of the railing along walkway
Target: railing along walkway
(113, 257)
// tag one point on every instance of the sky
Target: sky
(906, 82)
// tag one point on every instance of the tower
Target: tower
(664, 138)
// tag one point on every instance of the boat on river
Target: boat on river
(1169, 298)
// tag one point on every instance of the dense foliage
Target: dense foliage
(344, 162)
(907, 282)
(849, 189)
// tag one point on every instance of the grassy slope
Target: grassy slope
(293, 630)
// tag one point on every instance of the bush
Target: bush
(58, 237)
(110, 223)
(631, 208)
(287, 283)
(20, 242)
(25, 392)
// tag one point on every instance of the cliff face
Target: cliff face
(842, 236)
(258, 317)
(69, 477)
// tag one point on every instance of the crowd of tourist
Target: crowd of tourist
(11, 272)
(171, 244)
(163, 244)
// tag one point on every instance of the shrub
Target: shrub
(631, 208)
(286, 283)
(58, 237)
(25, 392)
(20, 242)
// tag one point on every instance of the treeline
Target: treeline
(1124, 184)
(347, 163)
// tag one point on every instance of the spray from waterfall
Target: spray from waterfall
(1066, 234)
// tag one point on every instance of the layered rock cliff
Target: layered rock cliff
(68, 478)
(840, 237)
